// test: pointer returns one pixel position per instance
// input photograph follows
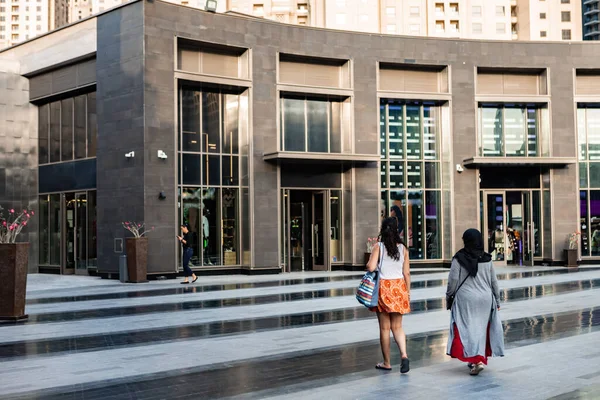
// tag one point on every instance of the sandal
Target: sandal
(381, 367)
(405, 366)
(477, 368)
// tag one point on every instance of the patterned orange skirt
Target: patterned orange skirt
(393, 297)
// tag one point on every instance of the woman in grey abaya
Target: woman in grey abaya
(475, 328)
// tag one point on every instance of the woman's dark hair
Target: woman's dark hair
(390, 237)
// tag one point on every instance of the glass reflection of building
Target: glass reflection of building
(411, 173)
(588, 129)
(213, 174)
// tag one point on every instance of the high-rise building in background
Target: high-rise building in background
(477, 19)
(591, 20)
(24, 19)
(551, 20)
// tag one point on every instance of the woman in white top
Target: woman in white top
(394, 291)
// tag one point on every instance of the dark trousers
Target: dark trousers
(187, 255)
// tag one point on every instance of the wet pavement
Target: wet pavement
(299, 337)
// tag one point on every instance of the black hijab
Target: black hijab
(472, 254)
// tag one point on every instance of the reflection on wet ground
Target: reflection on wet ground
(127, 339)
(241, 301)
(317, 368)
(282, 283)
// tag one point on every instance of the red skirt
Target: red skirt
(393, 297)
(458, 351)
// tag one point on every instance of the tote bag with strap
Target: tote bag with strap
(367, 293)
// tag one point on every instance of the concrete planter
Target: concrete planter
(571, 258)
(14, 258)
(137, 259)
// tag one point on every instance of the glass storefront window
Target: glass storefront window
(211, 121)
(66, 123)
(79, 133)
(410, 156)
(584, 223)
(67, 129)
(92, 125)
(509, 130)
(335, 247)
(92, 237)
(210, 200)
(55, 229)
(55, 132)
(312, 125)
(594, 212)
(490, 132)
(43, 131)
(44, 205)
(190, 121)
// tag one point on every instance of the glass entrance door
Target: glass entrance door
(319, 231)
(81, 257)
(494, 225)
(68, 239)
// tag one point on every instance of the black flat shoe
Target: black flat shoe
(185, 283)
(404, 367)
(194, 281)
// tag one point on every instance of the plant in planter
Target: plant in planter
(571, 252)
(137, 252)
(371, 242)
(14, 259)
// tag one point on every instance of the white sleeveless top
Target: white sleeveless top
(390, 268)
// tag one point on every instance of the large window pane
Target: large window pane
(336, 226)
(92, 230)
(190, 169)
(593, 133)
(43, 126)
(432, 175)
(383, 131)
(581, 133)
(396, 174)
(533, 129)
(396, 128)
(413, 132)
(491, 132)
(584, 224)
(246, 226)
(230, 171)
(583, 175)
(230, 227)
(398, 198)
(414, 173)
(514, 131)
(430, 132)
(191, 201)
(44, 229)
(335, 127)
(383, 174)
(595, 221)
(92, 125)
(80, 135)
(211, 121)
(294, 125)
(212, 170)
(211, 226)
(55, 132)
(231, 124)
(190, 121)
(66, 118)
(54, 231)
(433, 227)
(414, 216)
(317, 126)
(594, 175)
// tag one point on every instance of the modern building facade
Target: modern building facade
(591, 24)
(282, 146)
(22, 20)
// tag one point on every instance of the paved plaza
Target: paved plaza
(292, 336)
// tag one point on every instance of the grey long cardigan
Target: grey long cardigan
(474, 306)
